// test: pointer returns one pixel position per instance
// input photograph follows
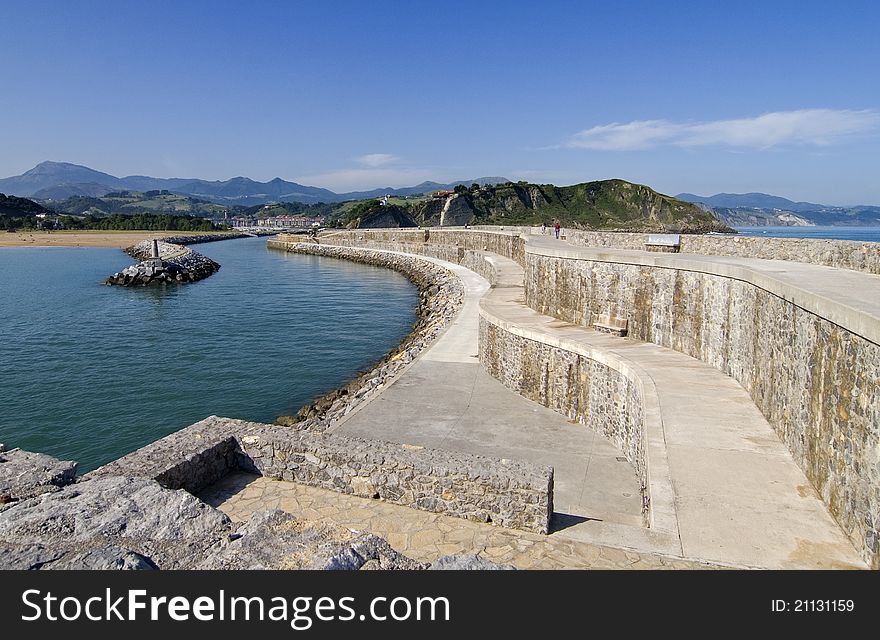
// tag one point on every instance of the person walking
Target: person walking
(543, 228)
(556, 229)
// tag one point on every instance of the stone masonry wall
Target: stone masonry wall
(844, 254)
(468, 258)
(508, 493)
(817, 383)
(501, 243)
(578, 387)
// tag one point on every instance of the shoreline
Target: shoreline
(91, 239)
(440, 298)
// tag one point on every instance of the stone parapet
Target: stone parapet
(815, 380)
(508, 493)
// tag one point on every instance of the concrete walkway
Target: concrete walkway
(739, 496)
(447, 401)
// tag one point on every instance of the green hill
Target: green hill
(603, 204)
(606, 204)
(18, 207)
(18, 212)
(137, 202)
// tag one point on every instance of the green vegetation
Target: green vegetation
(604, 204)
(135, 202)
(141, 222)
(285, 209)
(21, 213)
(16, 213)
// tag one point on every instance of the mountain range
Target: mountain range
(61, 180)
(53, 182)
(761, 209)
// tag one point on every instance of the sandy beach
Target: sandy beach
(119, 239)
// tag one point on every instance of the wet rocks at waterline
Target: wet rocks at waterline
(163, 263)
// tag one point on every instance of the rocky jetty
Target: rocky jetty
(163, 262)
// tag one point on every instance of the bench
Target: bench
(669, 242)
(611, 324)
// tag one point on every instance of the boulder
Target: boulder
(111, 522)
(24, 474)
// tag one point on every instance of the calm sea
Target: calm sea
(869, 234)
(90, 372)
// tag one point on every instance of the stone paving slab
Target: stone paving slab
(426, 536)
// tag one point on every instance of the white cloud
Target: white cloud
(801, 127)
(376, 159)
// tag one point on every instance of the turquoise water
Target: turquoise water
(869, 234)
(90, 372)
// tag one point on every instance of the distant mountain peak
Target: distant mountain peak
(59, 180)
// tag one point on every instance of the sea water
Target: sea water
(90, 372)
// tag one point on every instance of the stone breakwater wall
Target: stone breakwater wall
(843, 254)
(499, 242)
(441, 295)
(596, 390)
(132, 522)
(24, 474)
(205, 237)
(176, 264)
(510, 242)
(816, 382)
(477, 261)
(584, 386)
(508, 493)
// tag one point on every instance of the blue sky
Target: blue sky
(780, 97)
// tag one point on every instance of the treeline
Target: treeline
(140, 222)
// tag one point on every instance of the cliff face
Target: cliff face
(380, 217)
(455, 211)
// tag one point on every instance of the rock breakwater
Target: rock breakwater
(441, 296)
(168, 263)
(121, 522)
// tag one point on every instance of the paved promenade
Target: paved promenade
(736, 496)
(447, 401)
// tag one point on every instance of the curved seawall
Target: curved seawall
(439, 300)
(806, 353)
